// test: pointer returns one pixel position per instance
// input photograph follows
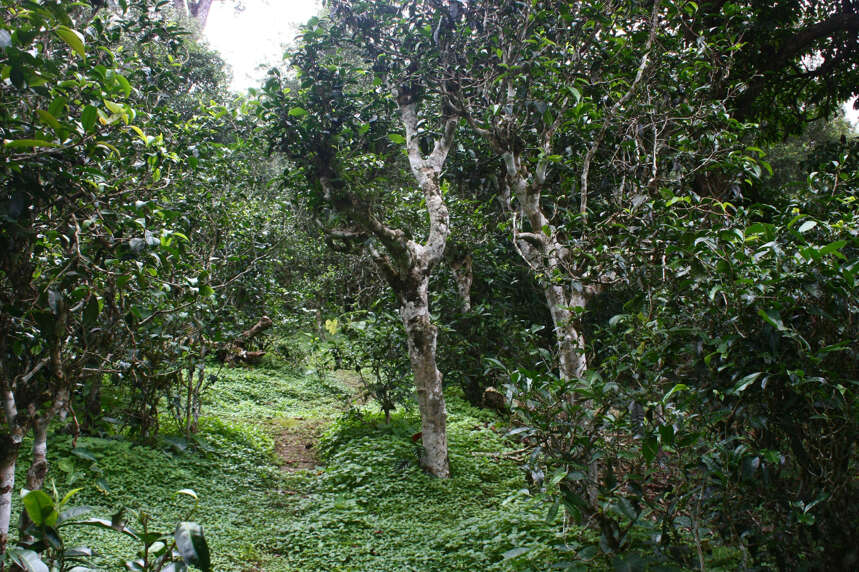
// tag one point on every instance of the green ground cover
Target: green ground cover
(366, 506)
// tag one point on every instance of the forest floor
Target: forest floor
(295, 442)
(295, 471)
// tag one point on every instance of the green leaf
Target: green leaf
(807, 225)
(26, 559)
(649, 448)
(84, 454)
(40, 508)
(29, 143)
(553, 511)
(114, 107)
(73, 513)
(515, 552)
(123, 84)
(73, 38)
(559, 476)
(49, 120)
(773, 318)
(191, 544)
(69, 495)
(666, 434)
(744, 383)
(139, 132)
(624, 507)
(106, 525)
(188, 492)
(297, 112)
(58, 106)
(52, 538)
(396, 138)
(673, 390)
(833, 248)
(588, 553)
(88, 117)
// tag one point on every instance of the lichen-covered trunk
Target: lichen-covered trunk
(197, 10)
(421, 334)
(464, 276)
(11, 436)
(546, 255)
(39, 465)
(37, 472)
(572, 360)
(8, 458)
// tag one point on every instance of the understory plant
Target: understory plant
(722, 404)
(42, 548)
(374, 346)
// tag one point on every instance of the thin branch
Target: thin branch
(642, 66)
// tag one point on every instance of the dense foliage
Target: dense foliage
(630, 228)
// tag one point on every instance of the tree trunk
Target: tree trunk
(10, 443)
(38, 470)
(201, 12)
(463, 275)
(198, 10)
(571, 355)
(544, 253)
(407, 266)
(234, 351)
(262, 325)
(8, 457)
(39, 465)
(93, 402)
(422, 335)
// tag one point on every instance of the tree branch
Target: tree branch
(592, 150)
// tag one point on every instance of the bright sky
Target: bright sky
(253, 36)
(852, 114)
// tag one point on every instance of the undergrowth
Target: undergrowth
(370, 508)
(373, 508)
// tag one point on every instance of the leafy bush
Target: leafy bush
(721, 404)
(374, 346)
(42, 544)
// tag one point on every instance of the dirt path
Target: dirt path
(296, 437)
(295, 442)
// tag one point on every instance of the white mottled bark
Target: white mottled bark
(7, 484)
(39, 465)
(197, 10)
(463, 275)
(10, 442)
(407, 266)
(422, 335)
(414, 300)
(542, 249)
(571, 352)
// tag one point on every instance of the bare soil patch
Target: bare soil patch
(295, 442)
